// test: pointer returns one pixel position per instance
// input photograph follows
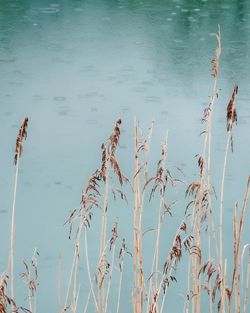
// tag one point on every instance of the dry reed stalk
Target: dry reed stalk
(22, 135)
(75, 299)
(88, 270)
(143, 147)
(247, 283)
(112, 245)
(109, 244)
(66, 306)
(202, 192)
(87, 302)
(211, 226)
(30, 277)
(75, 293)
(84, 220)
(5, 299)
(223, 290)
(160, 181)
(122, 252)
(109, 161)
(172, 260)
(74, 270)
(110, 279)
(200, 199)
(231, 118)
(91, 281)
(141, 173)
(92, 198)
(59, 282)
(137, 291)
(235, 226)
(119, 289)
(235, 285)
(103, 238)
(162, 205)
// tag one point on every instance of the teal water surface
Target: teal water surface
(74, 67)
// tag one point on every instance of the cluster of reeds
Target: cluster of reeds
(207, 273)
(7, 298)
(211, 284)
(211, 275)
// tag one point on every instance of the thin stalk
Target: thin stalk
(223, 288)
(135, 231)
(222, 200)
(211, 230)
(119, 288)
(70, 281)
(237, 242)
(103, 237)
(74, 286)
(154, 267)
(187, 298)
(91, 281)
(247, 284)
(165, 146)
(76, 261)
(74, 308)
(87, 302)
(11, 259)
(110, 279)
(235, 235)
(88, 270)
(59, 276)
(158, 289)
(35, 304)
(18, 151)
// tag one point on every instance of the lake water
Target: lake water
(74, 67)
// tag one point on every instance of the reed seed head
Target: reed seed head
(231, 111)
(21, 135)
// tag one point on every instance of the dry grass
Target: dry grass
(196, 244)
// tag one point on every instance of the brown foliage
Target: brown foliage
(231, 111)
(21, 135)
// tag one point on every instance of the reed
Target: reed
(30, 277)
(195, 244)
(22, 135)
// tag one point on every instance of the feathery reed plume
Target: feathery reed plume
(122, 252)
(173, 258)
(231, 118)
(112, 245)
(140, 145)
(22, 135)
(5, 299)
(18, 151)
(231, 111)
(232, 114)
(108, 152)
(215, 60)
(30, 277)
(201, 191)
(92, 197)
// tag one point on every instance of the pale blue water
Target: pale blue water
(73, 67)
